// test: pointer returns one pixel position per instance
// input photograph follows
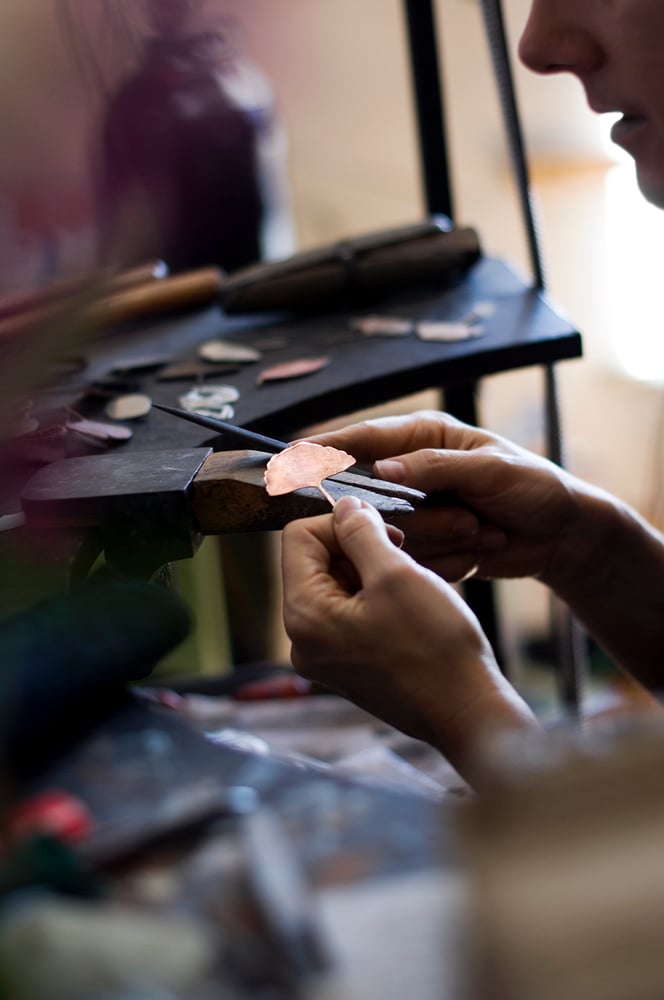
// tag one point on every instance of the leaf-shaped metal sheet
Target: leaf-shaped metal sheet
(292, 369)
(304, 464)
(441, 330)
(382, 326)
(129, 407)
(219, 351)
(102, 431)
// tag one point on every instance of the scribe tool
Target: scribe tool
(231, 432)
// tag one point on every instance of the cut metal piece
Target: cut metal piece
(440, 330)
(305, 464)
(292, 369)
(210, 398)
(97, 429)
(382, 326)
(129, 407)
(227, 350)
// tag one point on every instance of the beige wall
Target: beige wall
(341, 80)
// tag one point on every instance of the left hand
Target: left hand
(515, 513)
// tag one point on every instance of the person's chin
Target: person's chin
(651, 184)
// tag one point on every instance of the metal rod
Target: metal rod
(230, 431)
(497, 39)
(429, 105)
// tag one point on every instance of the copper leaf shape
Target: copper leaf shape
(292, 369)
(304, 464)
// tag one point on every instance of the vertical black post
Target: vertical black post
(481, 595)
(429, 106)
(497, 39)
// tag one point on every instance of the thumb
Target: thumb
(363, 537)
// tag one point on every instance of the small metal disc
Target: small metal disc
(224, 412)
(209, 398)
(226, 350)
(129, 407)
(382, 326)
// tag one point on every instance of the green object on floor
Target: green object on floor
(44, 862)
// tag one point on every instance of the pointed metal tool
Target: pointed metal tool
(232, 433)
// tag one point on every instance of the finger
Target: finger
(308, 549)
(435, 469)
(455, 568)
(395, 534)
(374, 439)
(313, 564)
(486, 540)
(433, 524)
(363, 537)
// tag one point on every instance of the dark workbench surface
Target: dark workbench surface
(525, 329)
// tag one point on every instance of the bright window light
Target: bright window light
(634, 240)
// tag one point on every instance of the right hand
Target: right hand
(368, 622)
(515, 508)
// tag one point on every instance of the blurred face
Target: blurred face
(616, 49)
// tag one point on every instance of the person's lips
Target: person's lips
(626, 130)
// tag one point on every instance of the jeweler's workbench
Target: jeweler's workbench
(518, 327)
(523, 329)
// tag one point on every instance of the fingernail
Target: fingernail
(390, 470)
(466, 524)
(345, 506)
(395, 535)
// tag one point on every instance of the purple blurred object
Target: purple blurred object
(176, 169)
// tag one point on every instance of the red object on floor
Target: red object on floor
(285, 686)
(56, 812)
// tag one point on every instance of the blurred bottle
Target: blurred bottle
(191, 165)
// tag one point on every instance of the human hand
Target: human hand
(512, 507)
(368, 622)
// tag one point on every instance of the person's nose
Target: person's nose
(557, 40)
